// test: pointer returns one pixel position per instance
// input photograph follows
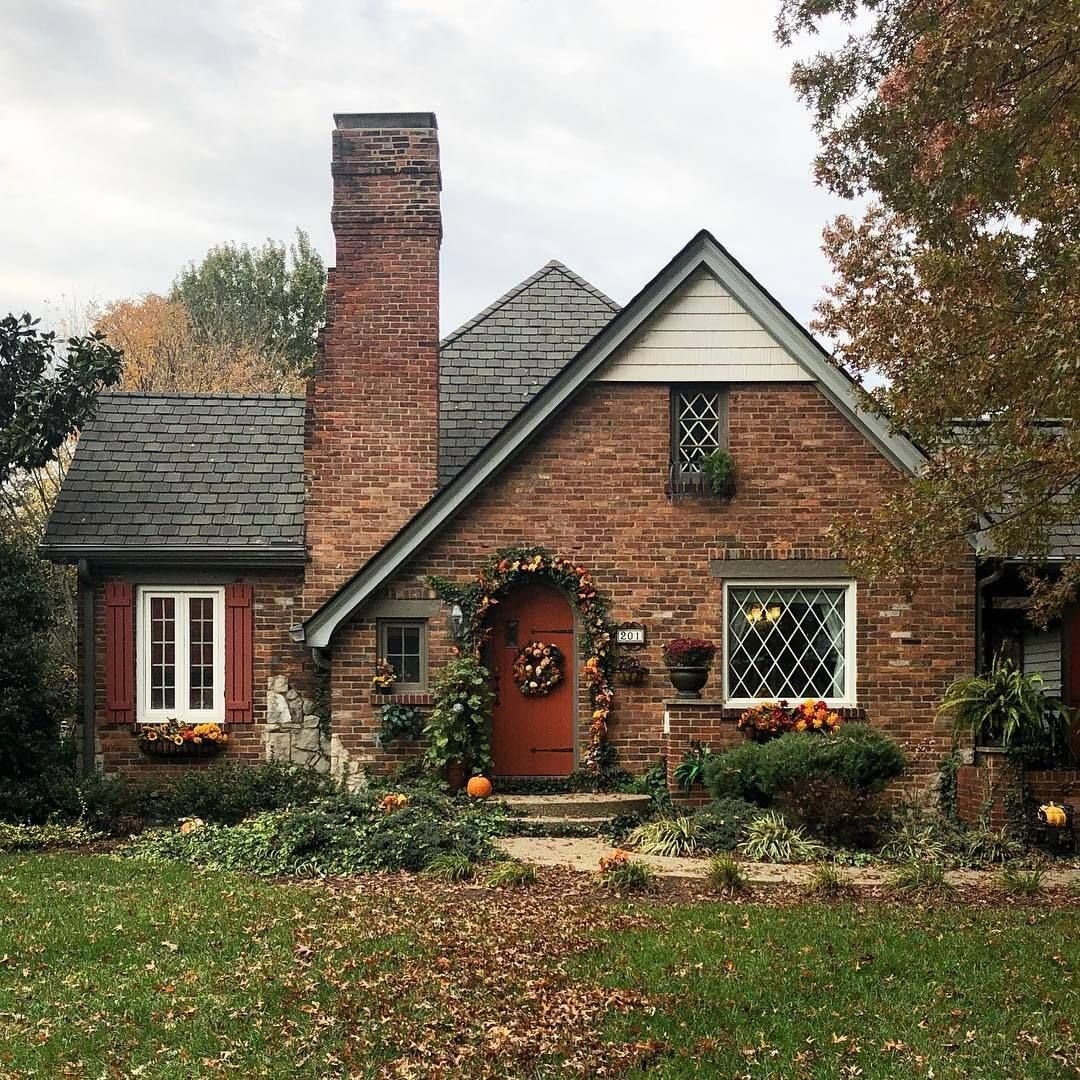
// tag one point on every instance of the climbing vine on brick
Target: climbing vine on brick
(515, 565)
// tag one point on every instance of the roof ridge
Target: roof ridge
(552, 265)
(191, 395)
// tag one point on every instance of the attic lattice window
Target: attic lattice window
(698, 426)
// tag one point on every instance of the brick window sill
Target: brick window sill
(402, 699)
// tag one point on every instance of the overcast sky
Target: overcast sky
(604, 133)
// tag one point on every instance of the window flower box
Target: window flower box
(173, 739)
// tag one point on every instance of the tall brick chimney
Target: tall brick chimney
(371, 442)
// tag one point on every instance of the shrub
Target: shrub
(44, 837)
(769, 838)
(339, 835)
(510, 873)
(856, 755)
(722, 824)
(1022, 882)
(991, 845)
(667, 836)
(926, 878)
(400, 722)
(725, 875)
(835, 812)
(827, 880)
(915, 840)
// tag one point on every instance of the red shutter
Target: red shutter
(238, 654)
(119, 652)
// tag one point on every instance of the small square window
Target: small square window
(403, 645)
(698, 428)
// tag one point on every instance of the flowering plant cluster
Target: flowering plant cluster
(512, 566)
(537, 669)
(172, 731)
(384, 676)
(396, 800)
(773, 718)
(614, 860)
(689, 652)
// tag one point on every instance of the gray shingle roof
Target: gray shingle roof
(494, 364)
(185, 470)
(188, 471)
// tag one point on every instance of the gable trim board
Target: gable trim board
(703, 250)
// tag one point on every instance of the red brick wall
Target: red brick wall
(372, 421)
(592, 487)
(276, 598)
(988, 789)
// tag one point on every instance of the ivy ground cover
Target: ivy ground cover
(117, 968)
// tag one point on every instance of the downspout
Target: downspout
(88, 668)
(980, 586)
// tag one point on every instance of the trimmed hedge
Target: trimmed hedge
(859, 756)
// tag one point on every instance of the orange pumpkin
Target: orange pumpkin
(479, 787)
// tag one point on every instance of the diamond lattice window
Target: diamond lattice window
(698, 427)
(788, 643)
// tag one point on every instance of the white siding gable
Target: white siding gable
(702, 334)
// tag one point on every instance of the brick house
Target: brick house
(248, 560)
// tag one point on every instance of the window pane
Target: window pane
(201, 652)
(698, 427)
(787, 643)
(162, 652)
(403, 651)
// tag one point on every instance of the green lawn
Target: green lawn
(120, 969)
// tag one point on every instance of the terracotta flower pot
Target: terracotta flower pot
(455, 776)
(688, 681)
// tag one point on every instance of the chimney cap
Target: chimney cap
(385, 120)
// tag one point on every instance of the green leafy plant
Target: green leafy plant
(856, 755)
(667, 836)
(985, 845)
(925, 878)
(691, 770)
(724, 875)
(1009, 708)
(400, 722)
(458, 729)
(509, 873)
(769, 838)
(915, 840)
(45, 837)
(654, 784)
(451, 866)
(722, 824)
(826, 879)
(1016, 882)
(719, 469)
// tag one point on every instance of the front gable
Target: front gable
(756, 334)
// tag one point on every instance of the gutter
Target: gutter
(88, 669)
(289, 556)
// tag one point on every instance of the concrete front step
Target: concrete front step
(583, 806)
(557, 826)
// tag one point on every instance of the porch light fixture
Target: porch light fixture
(457, 622)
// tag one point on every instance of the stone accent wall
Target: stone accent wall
(591, 487)
(295, 731)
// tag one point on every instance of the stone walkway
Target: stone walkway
(584, 854)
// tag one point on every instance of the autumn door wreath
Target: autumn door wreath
(538, 668)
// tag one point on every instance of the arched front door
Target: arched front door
(532, 736)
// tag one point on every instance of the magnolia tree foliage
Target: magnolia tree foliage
(269, 299)
(959, 122)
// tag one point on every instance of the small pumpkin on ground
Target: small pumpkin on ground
(479, 787)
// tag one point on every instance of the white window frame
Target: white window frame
(182, 595)
(850, 698)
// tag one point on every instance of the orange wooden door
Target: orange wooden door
(532, 736)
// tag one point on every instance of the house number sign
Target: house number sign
(630, 635)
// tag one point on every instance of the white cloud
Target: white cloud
(602, 133)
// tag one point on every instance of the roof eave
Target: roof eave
(276, 556)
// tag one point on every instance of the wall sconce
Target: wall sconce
(457, 622)
(758, 613)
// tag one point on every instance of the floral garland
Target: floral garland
(537, 668)
(512, 566)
